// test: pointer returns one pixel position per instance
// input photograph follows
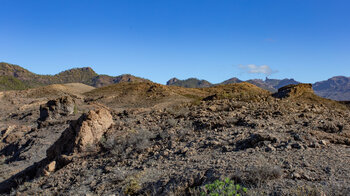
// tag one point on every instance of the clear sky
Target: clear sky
(308, 40)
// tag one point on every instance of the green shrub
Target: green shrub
(132, 187)
(223, 188)
(75, 109)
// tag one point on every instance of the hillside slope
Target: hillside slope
(11, 83)
(104, 141)
(15, 77)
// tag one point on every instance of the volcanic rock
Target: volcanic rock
(82, 134)
(294, 90)
(63, 106)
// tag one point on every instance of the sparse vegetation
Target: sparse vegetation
(308, 190)
(132, 141)
(75, 110)
(155, 141)
(14, 77)
(224, 187)
(260, 175)
(192, 83)
(11, 83)
(132, 186)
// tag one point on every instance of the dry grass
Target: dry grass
(148, 94)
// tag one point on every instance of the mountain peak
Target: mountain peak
(189, 83)
(16, 77)
(7, 69)
(232, 81)
(172, 81)
(85, 70)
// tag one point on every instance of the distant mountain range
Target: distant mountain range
(268, 84)
(14, 77)
(337, 88)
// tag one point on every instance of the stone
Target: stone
(324, 142)
(314, 145)
(53, 109)
(297, 146)
(296, 175)
(270, 148)
(87, 131)
(51, 166)
(91, 130)
(212, 108)
(297, 137)
(294, 90)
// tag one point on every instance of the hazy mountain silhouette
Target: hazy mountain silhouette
(337, 88)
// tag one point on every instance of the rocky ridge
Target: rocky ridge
(14, 77)
(189, 83)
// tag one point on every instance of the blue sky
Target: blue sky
(308, 40)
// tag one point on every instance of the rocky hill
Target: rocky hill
(143, 138)
(104, 80)
(15, 71)
(189, 83)
(172, 81)
(14, 77)
(77, 75)
(232, 81)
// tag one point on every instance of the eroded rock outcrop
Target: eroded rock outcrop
(63, 106)
(294, 90)
(82, 134)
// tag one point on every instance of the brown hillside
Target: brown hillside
(105, 80)
(142, 94)
(239, 91)
(7, 69)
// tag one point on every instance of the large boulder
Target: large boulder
(83, 135)
(53, 109)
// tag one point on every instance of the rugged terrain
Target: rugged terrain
(142, 138)
(14, 77)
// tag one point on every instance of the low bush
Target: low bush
(132, 141)
(260, 175)
(223, 188)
